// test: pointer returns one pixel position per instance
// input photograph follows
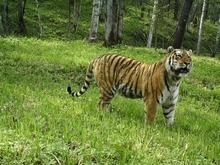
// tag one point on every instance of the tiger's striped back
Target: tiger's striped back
(156, 83)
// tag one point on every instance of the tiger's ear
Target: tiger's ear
(189, 52)
(170, 49)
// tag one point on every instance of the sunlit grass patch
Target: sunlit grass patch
(41, 124)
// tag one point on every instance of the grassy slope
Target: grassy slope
(40, 123)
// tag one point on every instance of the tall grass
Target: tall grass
(41, 124)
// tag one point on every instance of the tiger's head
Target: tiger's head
(179, 62)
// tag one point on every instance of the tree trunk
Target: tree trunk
(95, 20)
(21, 24)
(176, 9)
(192, 16)
(114, 21)
(5, 19)
(102, 11)
(201, 28)
(150, 36)
(39, 20)
(2, 31)
(120, 22)
(109, 36)
(182, 24)
(169, 7)
(77, 10)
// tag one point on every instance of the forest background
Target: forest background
(46, 45)
(137, 23)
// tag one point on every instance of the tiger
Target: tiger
(157, 83)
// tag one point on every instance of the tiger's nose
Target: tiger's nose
(186, 63)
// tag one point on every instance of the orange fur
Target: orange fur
(156, 83)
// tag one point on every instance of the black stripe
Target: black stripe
(89, 76)
(129, 61)
(107, 94)
(108, 57)
(166, 83)
(175, 97)
(104, 59)
(167, 106)
(178, 84)
(107, 89)
(158, 101)
(128, 69)
(87, 82)
(161, 93)
(169, 60)
(108, 84)
(119, 62)
(151, 78)
(113, 57)
(154, 67)
(84, 87)
(111, 67)
(137, 79)
(132, 93)
(167, 113)
(110, 61)
(167, 117)
(74, 94)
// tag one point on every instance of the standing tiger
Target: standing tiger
(156, 83)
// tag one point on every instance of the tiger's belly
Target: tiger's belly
(129, 92)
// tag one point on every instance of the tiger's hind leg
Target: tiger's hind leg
(105, 98)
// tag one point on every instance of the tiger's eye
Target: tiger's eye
(179, 55)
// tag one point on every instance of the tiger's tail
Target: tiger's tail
(89, 75)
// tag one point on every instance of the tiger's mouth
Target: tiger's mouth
(182, 71)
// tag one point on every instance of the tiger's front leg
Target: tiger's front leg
(168, 112)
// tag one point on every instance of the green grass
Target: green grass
(41, 124)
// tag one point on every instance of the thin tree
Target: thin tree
(109, 36)
(39, 19)
(180, 31)
(95, 20)
(77, 10)
(120, 22)
(2, 31)
(201, 28)
(5, 20)
(176, 9)
(192, 16)
(150, 36)
(21, 11)
(113, 22)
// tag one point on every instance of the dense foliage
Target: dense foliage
(56, 22)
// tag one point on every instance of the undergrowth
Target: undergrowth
(41, 124)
